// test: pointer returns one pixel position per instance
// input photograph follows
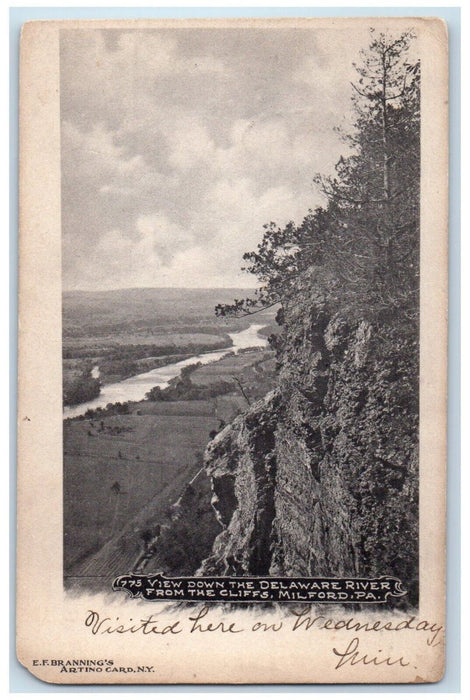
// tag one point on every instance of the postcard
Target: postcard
(232, 351)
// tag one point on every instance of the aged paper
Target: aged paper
(226, 476)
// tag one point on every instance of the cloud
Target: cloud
(178, 145)
(190, 143)
(162, 236)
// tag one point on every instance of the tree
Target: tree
(374, 197)
(82, 388)
(362, 247)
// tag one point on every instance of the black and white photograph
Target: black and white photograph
(226, 422)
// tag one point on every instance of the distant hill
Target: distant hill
(143, 308)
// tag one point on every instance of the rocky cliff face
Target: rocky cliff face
(320, 478)
(242, 464)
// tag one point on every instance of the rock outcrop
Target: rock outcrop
(320, 478)
(241, 462)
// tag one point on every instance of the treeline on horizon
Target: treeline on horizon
(141, 350)
(360, 251)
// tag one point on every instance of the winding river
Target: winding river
(135, 388)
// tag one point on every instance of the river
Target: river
(135, 388)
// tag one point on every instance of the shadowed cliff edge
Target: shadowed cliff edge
(320, 478)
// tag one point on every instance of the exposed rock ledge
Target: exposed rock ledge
(320, 478)
(241, 463)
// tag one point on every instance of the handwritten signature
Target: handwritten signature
(352, 656)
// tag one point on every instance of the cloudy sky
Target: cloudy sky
(178, 145)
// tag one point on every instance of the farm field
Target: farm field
(242, 365)
(250, 371)
(113, 469)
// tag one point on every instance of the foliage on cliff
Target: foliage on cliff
(362, 247)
